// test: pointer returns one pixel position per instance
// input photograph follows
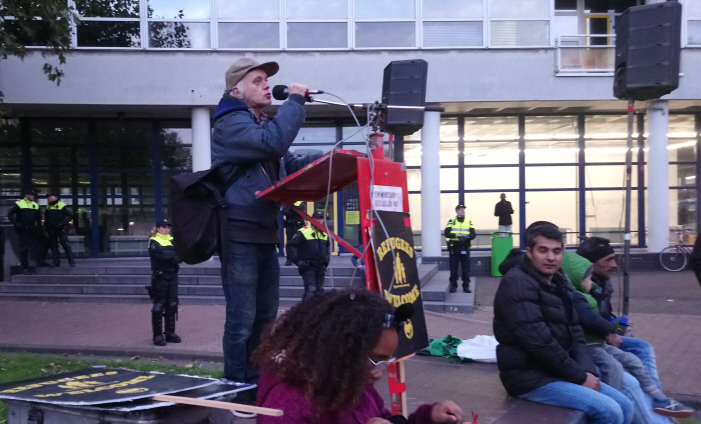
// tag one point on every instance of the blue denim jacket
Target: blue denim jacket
(238, 139)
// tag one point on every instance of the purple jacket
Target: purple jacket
(299, 410)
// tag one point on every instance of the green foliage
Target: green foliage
(45, 23)
(25, 366)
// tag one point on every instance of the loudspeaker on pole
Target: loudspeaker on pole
(648, 47)
(404, 84)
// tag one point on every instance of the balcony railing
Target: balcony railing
(592, 54)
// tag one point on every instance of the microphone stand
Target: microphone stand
(380, 106)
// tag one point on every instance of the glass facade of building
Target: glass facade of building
(345, 24)
(569, 169)
(566, 169)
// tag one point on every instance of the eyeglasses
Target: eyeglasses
(381, 365)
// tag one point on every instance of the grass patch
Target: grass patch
(689, 421)
(16, 367)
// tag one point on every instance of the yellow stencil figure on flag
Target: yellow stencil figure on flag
(399, 272)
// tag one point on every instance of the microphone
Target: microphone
(282, 92)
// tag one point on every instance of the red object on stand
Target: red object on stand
(334, 171)
(375, 175)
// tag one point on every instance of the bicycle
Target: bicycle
(675, 257)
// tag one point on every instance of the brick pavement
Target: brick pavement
(121, 328)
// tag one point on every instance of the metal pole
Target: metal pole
(626, 234)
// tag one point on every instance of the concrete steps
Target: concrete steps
(115, 282)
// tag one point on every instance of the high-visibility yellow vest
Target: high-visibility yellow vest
(27, 204)
(57, 206)
(458, 228)
(163, 240)
(310, 233)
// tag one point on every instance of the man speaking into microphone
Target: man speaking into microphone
(252, 151)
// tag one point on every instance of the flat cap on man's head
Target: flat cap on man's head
(244, 65)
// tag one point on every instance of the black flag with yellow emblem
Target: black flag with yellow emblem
(395, 261)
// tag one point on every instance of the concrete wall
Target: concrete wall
(196, 78)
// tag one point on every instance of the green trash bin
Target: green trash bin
(502, 243)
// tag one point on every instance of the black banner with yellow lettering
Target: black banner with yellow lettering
(395, 261)
(94, 386)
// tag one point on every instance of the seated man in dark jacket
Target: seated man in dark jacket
(542, 354)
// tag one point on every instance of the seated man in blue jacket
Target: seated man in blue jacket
(246, 142)
(542, 355)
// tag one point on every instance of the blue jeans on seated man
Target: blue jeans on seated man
(252, 292)
(642, 403)
(606, 407)
(644, 351)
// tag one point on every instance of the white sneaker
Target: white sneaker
(242, 414)
(247, 398)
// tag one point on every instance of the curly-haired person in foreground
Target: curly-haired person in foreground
(320, 361)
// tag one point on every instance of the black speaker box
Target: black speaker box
(648, 45)
(404, 84)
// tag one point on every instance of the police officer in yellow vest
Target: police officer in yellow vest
(56, 217)
(26, 218)
(313, 255)
(459, 232)
(164, 284)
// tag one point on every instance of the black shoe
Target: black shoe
(56, 264)
(453, 289)
(158, 340)
(288, 263)
(466, 288)
(173, 338)
(247, 397)
(27, 271)
(72, 264)
(43, 264)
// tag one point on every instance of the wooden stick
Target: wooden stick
(218, 404)
(401, 376)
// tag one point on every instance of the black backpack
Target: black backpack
(197, 212)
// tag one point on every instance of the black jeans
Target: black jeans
(164, 288)
(32, 245)
(313, 275)
(252, 292)
(58, 235)
(458, 258)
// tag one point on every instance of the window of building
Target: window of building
(525, 25)
(558, 207)
(11, 165)
(452, 23)
(385, 23)
(693, 13)
(551, 139)
(479, 208)
(180, 24)
(317, 35)
(242, 24)
(606, 214)
(317, 24)
(113, 24)
(385, 34)
(36, 34)
(237, 35)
